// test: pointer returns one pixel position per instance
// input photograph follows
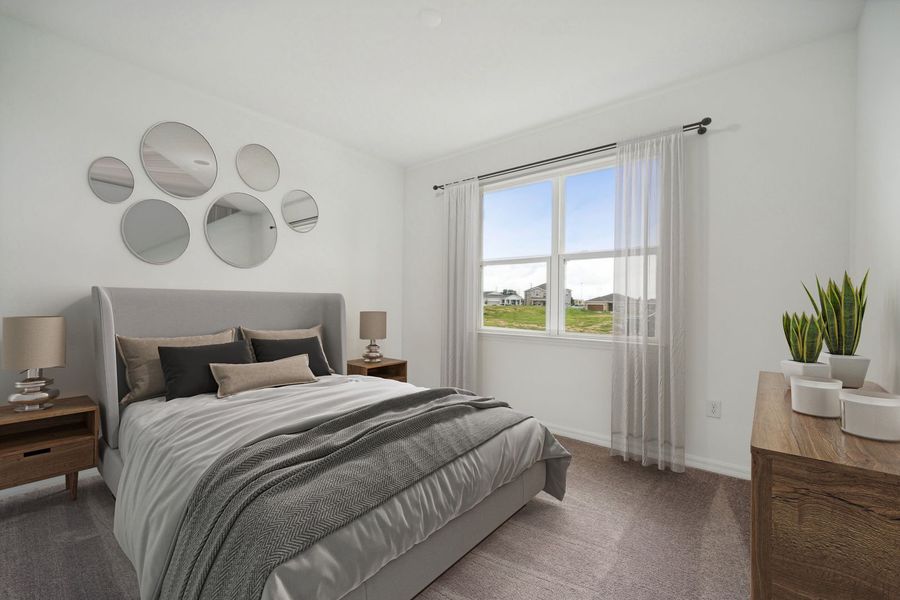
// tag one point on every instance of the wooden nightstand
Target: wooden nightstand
(60, 440)
(388, 368)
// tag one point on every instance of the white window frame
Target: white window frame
(555, 262)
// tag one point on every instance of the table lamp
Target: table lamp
(372, 326)
(31, 344)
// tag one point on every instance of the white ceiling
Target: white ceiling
(369, 73)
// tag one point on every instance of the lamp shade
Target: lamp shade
(372, 325)
(34, 343)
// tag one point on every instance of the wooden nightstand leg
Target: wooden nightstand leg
(72, 484)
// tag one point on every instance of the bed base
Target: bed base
(110, 466)
(407, 575)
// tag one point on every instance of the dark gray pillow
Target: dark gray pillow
(268, 350)
(187, 369)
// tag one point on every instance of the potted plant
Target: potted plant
(804, 337)
(841, 309)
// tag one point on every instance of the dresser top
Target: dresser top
(777, 428)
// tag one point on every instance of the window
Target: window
(548, 252)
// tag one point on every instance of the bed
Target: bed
(154, 453)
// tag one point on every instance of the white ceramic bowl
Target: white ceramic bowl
(871, 414)
(816, 396)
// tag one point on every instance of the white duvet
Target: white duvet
(166, 447)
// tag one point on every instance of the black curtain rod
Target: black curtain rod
(699, 126)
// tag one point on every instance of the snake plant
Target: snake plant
(841, 310)
(804, 336)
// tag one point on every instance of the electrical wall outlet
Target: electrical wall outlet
(714, 409)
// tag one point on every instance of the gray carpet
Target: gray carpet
(623, 532)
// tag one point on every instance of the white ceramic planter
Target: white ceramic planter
(871, 414)
(792, 367)
(849, 369)
(816, 396)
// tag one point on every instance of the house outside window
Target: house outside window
(504, 298)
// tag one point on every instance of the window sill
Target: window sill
(548, 340)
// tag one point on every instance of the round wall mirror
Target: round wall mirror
(110, 179)
(300, 210)
(155, 231)
(258, 167)
(240, 230)
(178, 160)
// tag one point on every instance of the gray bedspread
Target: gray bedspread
(262, 504)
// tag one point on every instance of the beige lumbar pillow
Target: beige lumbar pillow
(143, 371)
(234, 378)
(285, 334)
(281, 334)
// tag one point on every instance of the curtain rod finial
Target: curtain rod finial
(703, 123)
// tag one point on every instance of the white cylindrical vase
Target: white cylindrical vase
(802, 369)
(816, 396)
(849, 369)
(871, 414)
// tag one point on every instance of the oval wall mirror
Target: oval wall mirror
(258, 167)
(155, 231)
(178, 160)
(300, 210)
(240, 230)
(110, 179)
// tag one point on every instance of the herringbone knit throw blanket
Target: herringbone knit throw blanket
(262, 504)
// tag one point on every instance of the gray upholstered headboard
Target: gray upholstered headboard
(164, 313)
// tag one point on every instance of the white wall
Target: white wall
(780, 155)
(877, 243)
(62, 106)
(768, 192)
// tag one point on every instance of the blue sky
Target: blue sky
(518, 222)
(590, 201)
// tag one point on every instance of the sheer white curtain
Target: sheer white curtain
(460, 351)
(648, 360)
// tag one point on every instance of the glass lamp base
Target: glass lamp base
(33, 394)
(32, 407)
(373, 353)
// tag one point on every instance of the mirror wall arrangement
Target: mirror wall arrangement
(155, 231)
(240, 230)
(300, 210)
(178, 160)
(110, 179)
(258, 167)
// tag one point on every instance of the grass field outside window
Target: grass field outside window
(533, 318)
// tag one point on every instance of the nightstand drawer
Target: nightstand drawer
(45, 461)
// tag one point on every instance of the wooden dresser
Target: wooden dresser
(825, 504)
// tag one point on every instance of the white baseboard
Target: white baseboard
(579, 434)
(690, 460)
(717, 466)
